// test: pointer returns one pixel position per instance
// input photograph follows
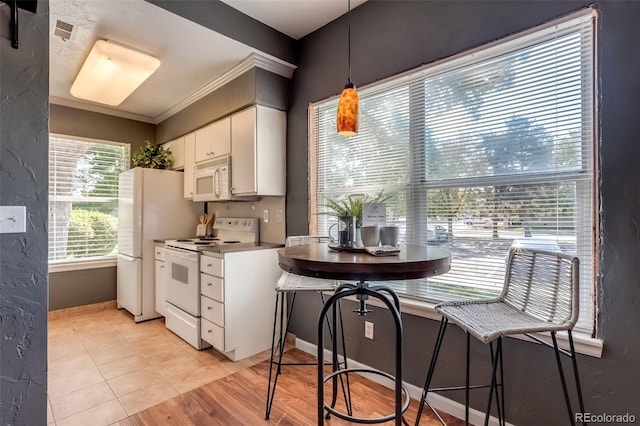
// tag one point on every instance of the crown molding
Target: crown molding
(254, 60)
(99, 109)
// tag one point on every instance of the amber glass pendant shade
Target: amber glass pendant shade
(348, 111)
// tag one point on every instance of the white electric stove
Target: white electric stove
(227, 230)
(182, 258)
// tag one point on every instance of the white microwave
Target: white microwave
(212, 180)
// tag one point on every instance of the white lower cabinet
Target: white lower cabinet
(161, 282)
(237, 302)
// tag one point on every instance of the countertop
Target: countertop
(231, 248)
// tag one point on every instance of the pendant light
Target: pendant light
(349, 106)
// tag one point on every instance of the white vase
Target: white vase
(358, 237)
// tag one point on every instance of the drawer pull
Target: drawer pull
(209, 331)
(209, 308)
(209, 265)
(209, 284)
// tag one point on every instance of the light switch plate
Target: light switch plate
(13, 219)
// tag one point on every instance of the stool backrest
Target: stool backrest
(299, 240)
(543, 284)
(292, 282)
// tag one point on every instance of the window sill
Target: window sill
(79, 266)
(583, 343)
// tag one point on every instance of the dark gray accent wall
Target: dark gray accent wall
(389, 37)
(224, 19)
(88, 124)
(24, 141)
(83, 287)
(76, 288)
(256, 86)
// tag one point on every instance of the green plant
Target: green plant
(352, 205)
(152, 156)
(93, 232)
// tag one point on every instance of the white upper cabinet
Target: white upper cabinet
(177, 150)
(213, 140)
(189, 163)
(258, 152)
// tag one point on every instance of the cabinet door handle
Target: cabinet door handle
(161, 266)
(208, 284)
(209, 308)
(209, 331)
(209, 265)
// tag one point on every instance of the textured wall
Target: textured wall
(389, 37)
(24, 139)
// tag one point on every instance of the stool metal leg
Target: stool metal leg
(562, 379)
(271, 391)
(499, 383)
(432, 367)
(575, 372)
(278, 349)
(466, 380)
(494, 369)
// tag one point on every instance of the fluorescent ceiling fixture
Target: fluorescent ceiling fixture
(112, 72)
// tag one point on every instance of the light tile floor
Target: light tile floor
(103, 367)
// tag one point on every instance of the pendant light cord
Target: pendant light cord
(349, 38)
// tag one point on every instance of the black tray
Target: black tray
(336, 247)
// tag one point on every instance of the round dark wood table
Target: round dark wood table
(320, 261)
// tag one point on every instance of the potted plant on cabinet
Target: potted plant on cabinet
(152, 156)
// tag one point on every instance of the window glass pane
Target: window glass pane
(83, 198)
(477, 154)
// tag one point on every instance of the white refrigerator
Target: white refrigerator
(151, 206)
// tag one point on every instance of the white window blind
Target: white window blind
(480, 152)
(83, 198)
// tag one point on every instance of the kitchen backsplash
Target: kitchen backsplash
(272, 231)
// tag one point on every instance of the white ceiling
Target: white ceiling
(295, 18)
(194, 59)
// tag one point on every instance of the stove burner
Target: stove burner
(183, 241)
(231, 242)
(209, 239)
(205, 243)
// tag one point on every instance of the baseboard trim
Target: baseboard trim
(82, 310)
(437, 401)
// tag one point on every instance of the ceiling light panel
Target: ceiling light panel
(112, 72)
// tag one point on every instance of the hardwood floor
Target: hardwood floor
(239, 399)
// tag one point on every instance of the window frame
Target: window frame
(586, 342)
(64, 265)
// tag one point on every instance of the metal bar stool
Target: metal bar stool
(362, 291)
(540, 294)
(288, 285)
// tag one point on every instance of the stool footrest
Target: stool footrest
(332, 411)
(452, 388)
